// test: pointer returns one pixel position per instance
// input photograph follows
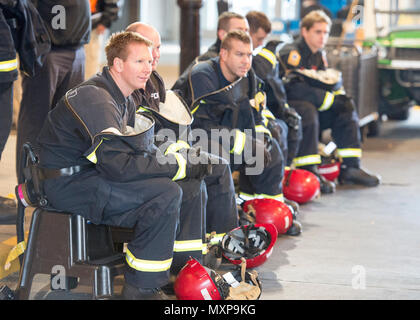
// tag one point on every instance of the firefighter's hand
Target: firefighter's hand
(257, 146)
(343, 104)
(292, 118)
(268, 143)
(198, 164)
(267, 157)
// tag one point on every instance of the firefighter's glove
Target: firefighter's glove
(268, 142)
(292, 118)
(258, 147)
(198, 163)
(275, 130)
(344, 104)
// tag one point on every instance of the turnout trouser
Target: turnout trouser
(307, 154)
(191, 232)
(222, 212)
(153, 207)
(344, 131)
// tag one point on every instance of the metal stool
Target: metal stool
(60, 242)
(63, 245)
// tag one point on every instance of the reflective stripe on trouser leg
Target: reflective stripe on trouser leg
(311, 159)
(215, 238)
(328, 101)
(349, 152)
(147, 265)
(154, 215)
(190, 233)
(245, 196)
(345, 132)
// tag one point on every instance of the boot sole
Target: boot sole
(348, 182)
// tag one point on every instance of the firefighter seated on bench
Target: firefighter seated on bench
(100, 161)
(226, 97)
(309, 79)
(221, 210)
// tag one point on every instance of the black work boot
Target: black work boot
(295, 229)
(326, 186)
(354, 175)
(133, 293)
(293, 206)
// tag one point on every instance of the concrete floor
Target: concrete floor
(357, 244)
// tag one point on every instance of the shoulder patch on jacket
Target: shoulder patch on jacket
(294, 58)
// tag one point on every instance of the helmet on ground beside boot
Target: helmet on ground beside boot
(196, 282)
(253, 242)
(330, 161)
(300, 185)
(329, 171)
(270, 211)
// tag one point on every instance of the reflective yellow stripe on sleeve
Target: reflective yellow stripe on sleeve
(307, 160)
(271, 57)
(182, 167)
(9, 65)
(350, 153)
(175, 147)
(262, 129)
(147, 265)
(267, 113)
(239, 144)
(328, 101)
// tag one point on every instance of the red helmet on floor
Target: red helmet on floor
(329, 171)
(270, 211)
(196, 282)
(254, 242)
(300, 185)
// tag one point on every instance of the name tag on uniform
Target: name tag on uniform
(294, 58)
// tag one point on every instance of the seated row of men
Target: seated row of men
(175, 190)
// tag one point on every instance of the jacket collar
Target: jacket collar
(114, 89)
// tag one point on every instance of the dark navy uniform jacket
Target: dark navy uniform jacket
(217, 103)
(89, 125)
(298, 55)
